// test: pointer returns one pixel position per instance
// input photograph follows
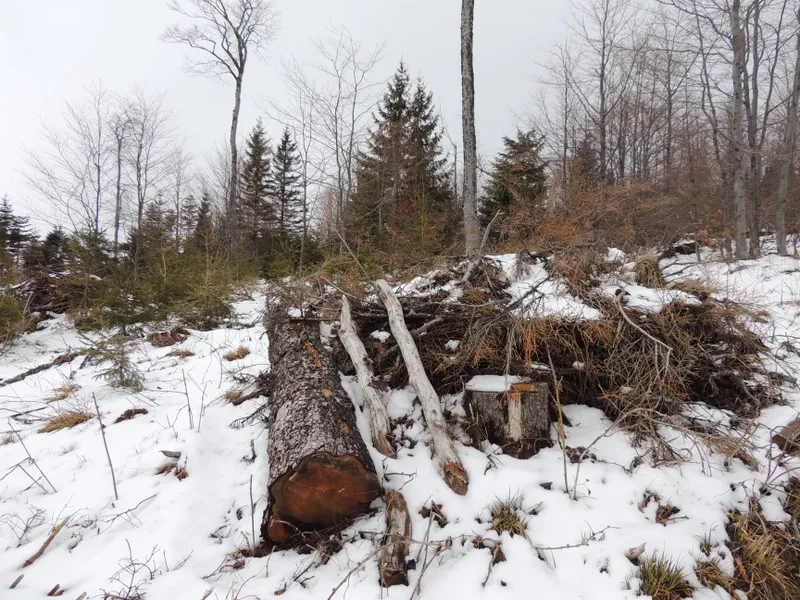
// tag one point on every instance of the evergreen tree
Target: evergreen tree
(517, 176)
(51, 255)
(257, 212)
(402, 186)
(286, 187)
(15, 233)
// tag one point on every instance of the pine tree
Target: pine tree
(15, 233)
(402, 186)
(258, 214)
(286, 187)
(517, 176)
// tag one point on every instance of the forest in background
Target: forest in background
(656, 121)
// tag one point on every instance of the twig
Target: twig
(562, 436)
(35, 464)
(105, 443)
(252, 514)
(188, 403)
(16, 582)
(58, 360)
(47, 542)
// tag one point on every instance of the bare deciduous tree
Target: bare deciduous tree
(225, 32)
(472, 232)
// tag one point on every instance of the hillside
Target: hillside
(188, 531)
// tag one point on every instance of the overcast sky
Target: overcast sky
(50, 50)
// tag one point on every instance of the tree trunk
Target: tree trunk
(472, 232)
(789, 143)
(232, 221)
(118, 205)
(320, 473)
(518, 419)
(392, 565)
(737, 67)
(454, 473)
(379, 418)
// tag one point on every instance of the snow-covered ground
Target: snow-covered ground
(176, 538)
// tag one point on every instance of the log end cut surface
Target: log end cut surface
(322, 491)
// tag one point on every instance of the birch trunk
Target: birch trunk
(320, 472)
(471, 227)
(378, 416)
(454, 473)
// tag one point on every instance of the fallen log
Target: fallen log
(517, 419)
(392, 565)
(320, 473)
(57, 361)
(378, 416)
(454, 473)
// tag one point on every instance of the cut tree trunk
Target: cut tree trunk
(378, 416)
(454, 473)
(518, 420)
(320, 472)
(392, 565)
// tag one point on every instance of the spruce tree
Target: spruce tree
(517, 176)
(257, 212)
(286, 190)
(402, 195)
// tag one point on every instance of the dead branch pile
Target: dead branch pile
(642, 369)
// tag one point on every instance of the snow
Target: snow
(185, 530)
(381, 336)
(493, 383)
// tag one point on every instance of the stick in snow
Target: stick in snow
(378, 416)
(392, 565)
(47, 542)
(454, 473)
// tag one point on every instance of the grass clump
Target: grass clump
(711, 576)
(662, 578)
(506, 516)
(182, 354)
(66, 420)
(647, 272)
(62, 392)
(237, 354)
(766, 556)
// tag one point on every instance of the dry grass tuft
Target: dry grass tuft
(711, 576)
(662, 578)
(648, 273)
(506, 516)
(766, 557)
(180, 472)
(237, 354)
(183, 354)
(695, 287)
(62, 392)
(66, 420)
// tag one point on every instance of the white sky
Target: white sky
(50, 50)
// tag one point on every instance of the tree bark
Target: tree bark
(454, 473)
(789, 143)
(378, 416)
(737, 66)
(518, 419)
(392, 566)
(320, 472)
(233, 209)
(471, 227)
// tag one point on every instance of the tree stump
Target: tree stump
(517, 419)
(320, 473)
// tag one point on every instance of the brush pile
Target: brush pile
(650, 357)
